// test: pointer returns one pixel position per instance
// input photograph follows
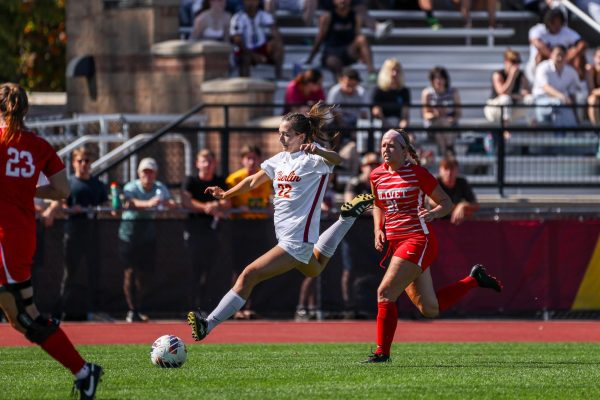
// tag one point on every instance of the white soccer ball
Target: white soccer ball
(168, 351)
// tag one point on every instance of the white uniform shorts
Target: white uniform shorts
(301, 251)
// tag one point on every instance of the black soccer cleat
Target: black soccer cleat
(357, 206)
(484, 280)
(87, 386)
(377, 358)
(198, 324)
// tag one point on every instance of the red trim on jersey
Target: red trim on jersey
(312, 208)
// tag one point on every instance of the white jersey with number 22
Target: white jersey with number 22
(299, 180)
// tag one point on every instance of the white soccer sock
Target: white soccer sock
(331, 238)
(229, 304)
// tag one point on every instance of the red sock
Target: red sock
(62, 350)
(451, 294)
(387, 320)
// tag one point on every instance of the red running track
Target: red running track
(326, 332)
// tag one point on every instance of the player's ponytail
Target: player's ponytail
(312, 123)
(412, 152)
(13, 107)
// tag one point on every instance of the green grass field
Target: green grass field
(307, 371)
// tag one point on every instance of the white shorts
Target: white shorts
(300, 251)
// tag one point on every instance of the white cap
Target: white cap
(148, 163)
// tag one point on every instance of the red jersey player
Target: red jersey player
(400, 185)
(23, 156)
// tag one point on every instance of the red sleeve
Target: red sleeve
(53, 164)
(427, 181)
(372, 177)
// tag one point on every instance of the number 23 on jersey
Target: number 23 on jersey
(14, 164)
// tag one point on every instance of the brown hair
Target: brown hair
(13, 107)
(311, 123)
(312, 75)
(449, 163)
(80, 152)
(247, 149)
(440, 71)
(205, 153)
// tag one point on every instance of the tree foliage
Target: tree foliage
(33, 43)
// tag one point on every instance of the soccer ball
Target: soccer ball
(168, 351)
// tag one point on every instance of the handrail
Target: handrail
(155, 136)
(187, 151)
(581, 14)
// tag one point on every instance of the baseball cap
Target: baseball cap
(148, 163)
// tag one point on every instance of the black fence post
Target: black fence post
(225, 143)
(501, 156)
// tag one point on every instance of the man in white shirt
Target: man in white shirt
(553, 32)
(555, 84)
(256, 39)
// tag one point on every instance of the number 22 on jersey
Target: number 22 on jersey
(284, 190)
(16, 157)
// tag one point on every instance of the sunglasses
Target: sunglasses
(83, 160)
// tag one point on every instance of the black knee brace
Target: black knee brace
(38, 329)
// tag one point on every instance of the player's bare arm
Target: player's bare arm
(330, 156)
(443, 205)
(247, 184)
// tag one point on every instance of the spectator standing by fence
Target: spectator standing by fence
(202, 226)
(137, 235)
(458, 189)
(23, 157)
(256, 39)
(81, 241)
(248, 208)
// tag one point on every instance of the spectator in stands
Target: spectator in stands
(381, 30)
(466, 5)
(81, 240)
(391, 99)
(212, 22)
(137, 234)
(459, 191)
(256, 39)
(554, 88)
(441, 108)
(553, 32)
(296, 7)
(344, 44)
(593, 81)
(252, 205)
(303, 91)
(358, 184)
(509, 87)
(350, 96)
(201, 232)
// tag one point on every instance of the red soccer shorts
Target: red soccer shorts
(421, 250)
(16, 254)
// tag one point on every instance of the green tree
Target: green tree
(33, 43)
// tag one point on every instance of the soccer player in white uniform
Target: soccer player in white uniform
(299, 174)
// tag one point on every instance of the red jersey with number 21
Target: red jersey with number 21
(401, 194)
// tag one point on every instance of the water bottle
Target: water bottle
(159, 194)
(114, 196)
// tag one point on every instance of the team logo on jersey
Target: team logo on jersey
(395, 193)
(291, 177)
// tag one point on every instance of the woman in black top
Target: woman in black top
(391, 99)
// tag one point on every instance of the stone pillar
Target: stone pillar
(232, 91)
(119, 39)
(179, 69)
